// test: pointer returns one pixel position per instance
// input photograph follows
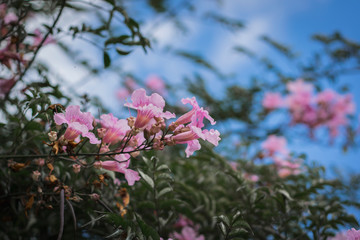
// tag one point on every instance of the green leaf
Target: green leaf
(107, 60)
(121, 52)
(115, 40)
(285, 194)
(164, 191)
(146, 178)
(147, 230)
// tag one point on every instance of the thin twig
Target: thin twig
(61, 229)
(72, 213)
(69, 155)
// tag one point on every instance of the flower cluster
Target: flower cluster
(119, 139)
(326, 108)
(276, 148)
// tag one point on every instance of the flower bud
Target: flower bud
(35, 175)
(97, 164)
(40, 162)
(76, 168)
(63, 141)
(131, 121)
(52, 136)
(101, 132)
(135, 154)
(104, 149)
(95, 196)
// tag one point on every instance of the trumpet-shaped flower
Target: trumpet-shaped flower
(79, 123)
(196, 115)
(148, 107)
(121, 166)
(115, 129)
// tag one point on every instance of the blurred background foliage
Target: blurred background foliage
(206, 189)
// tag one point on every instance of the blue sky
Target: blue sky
(289, 22)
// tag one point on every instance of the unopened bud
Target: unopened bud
(35, 175)
(97, 164)
(173, 126)
(131, 121)
(95, 196)
(155, 128)
(170, 141)
(101, 132)
(104, 149)
(40, 162)
(63, 141)
(135, 154)
(52, 136)
(76, 168)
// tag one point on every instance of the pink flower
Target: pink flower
(299, 86)
(188, 233)
(196, 115)
(353, 234)
(190, 133)
(272, 101)
(148, 107)
(286, 168)
(5, 86)
(39, 37)
(156, 84)
(183, 222)
(131, 176)
(339, 236)
(274, 144)
(326, 96)
(78, 123)
(251, 177)
(115, 129)
(10, 18)
(122, 93)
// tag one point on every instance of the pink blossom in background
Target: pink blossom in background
(339, 236)
(324, 109)
(188, 233)
(122, 93)
(299, 86)
(274, 144)
(156, 84)
(183, 222)
(10, 18)
(251, 177)
(39, 37)
(326, 96)
(353, 234)
(5, 86)
(78, 123)
(272, 101)
(130, 83)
